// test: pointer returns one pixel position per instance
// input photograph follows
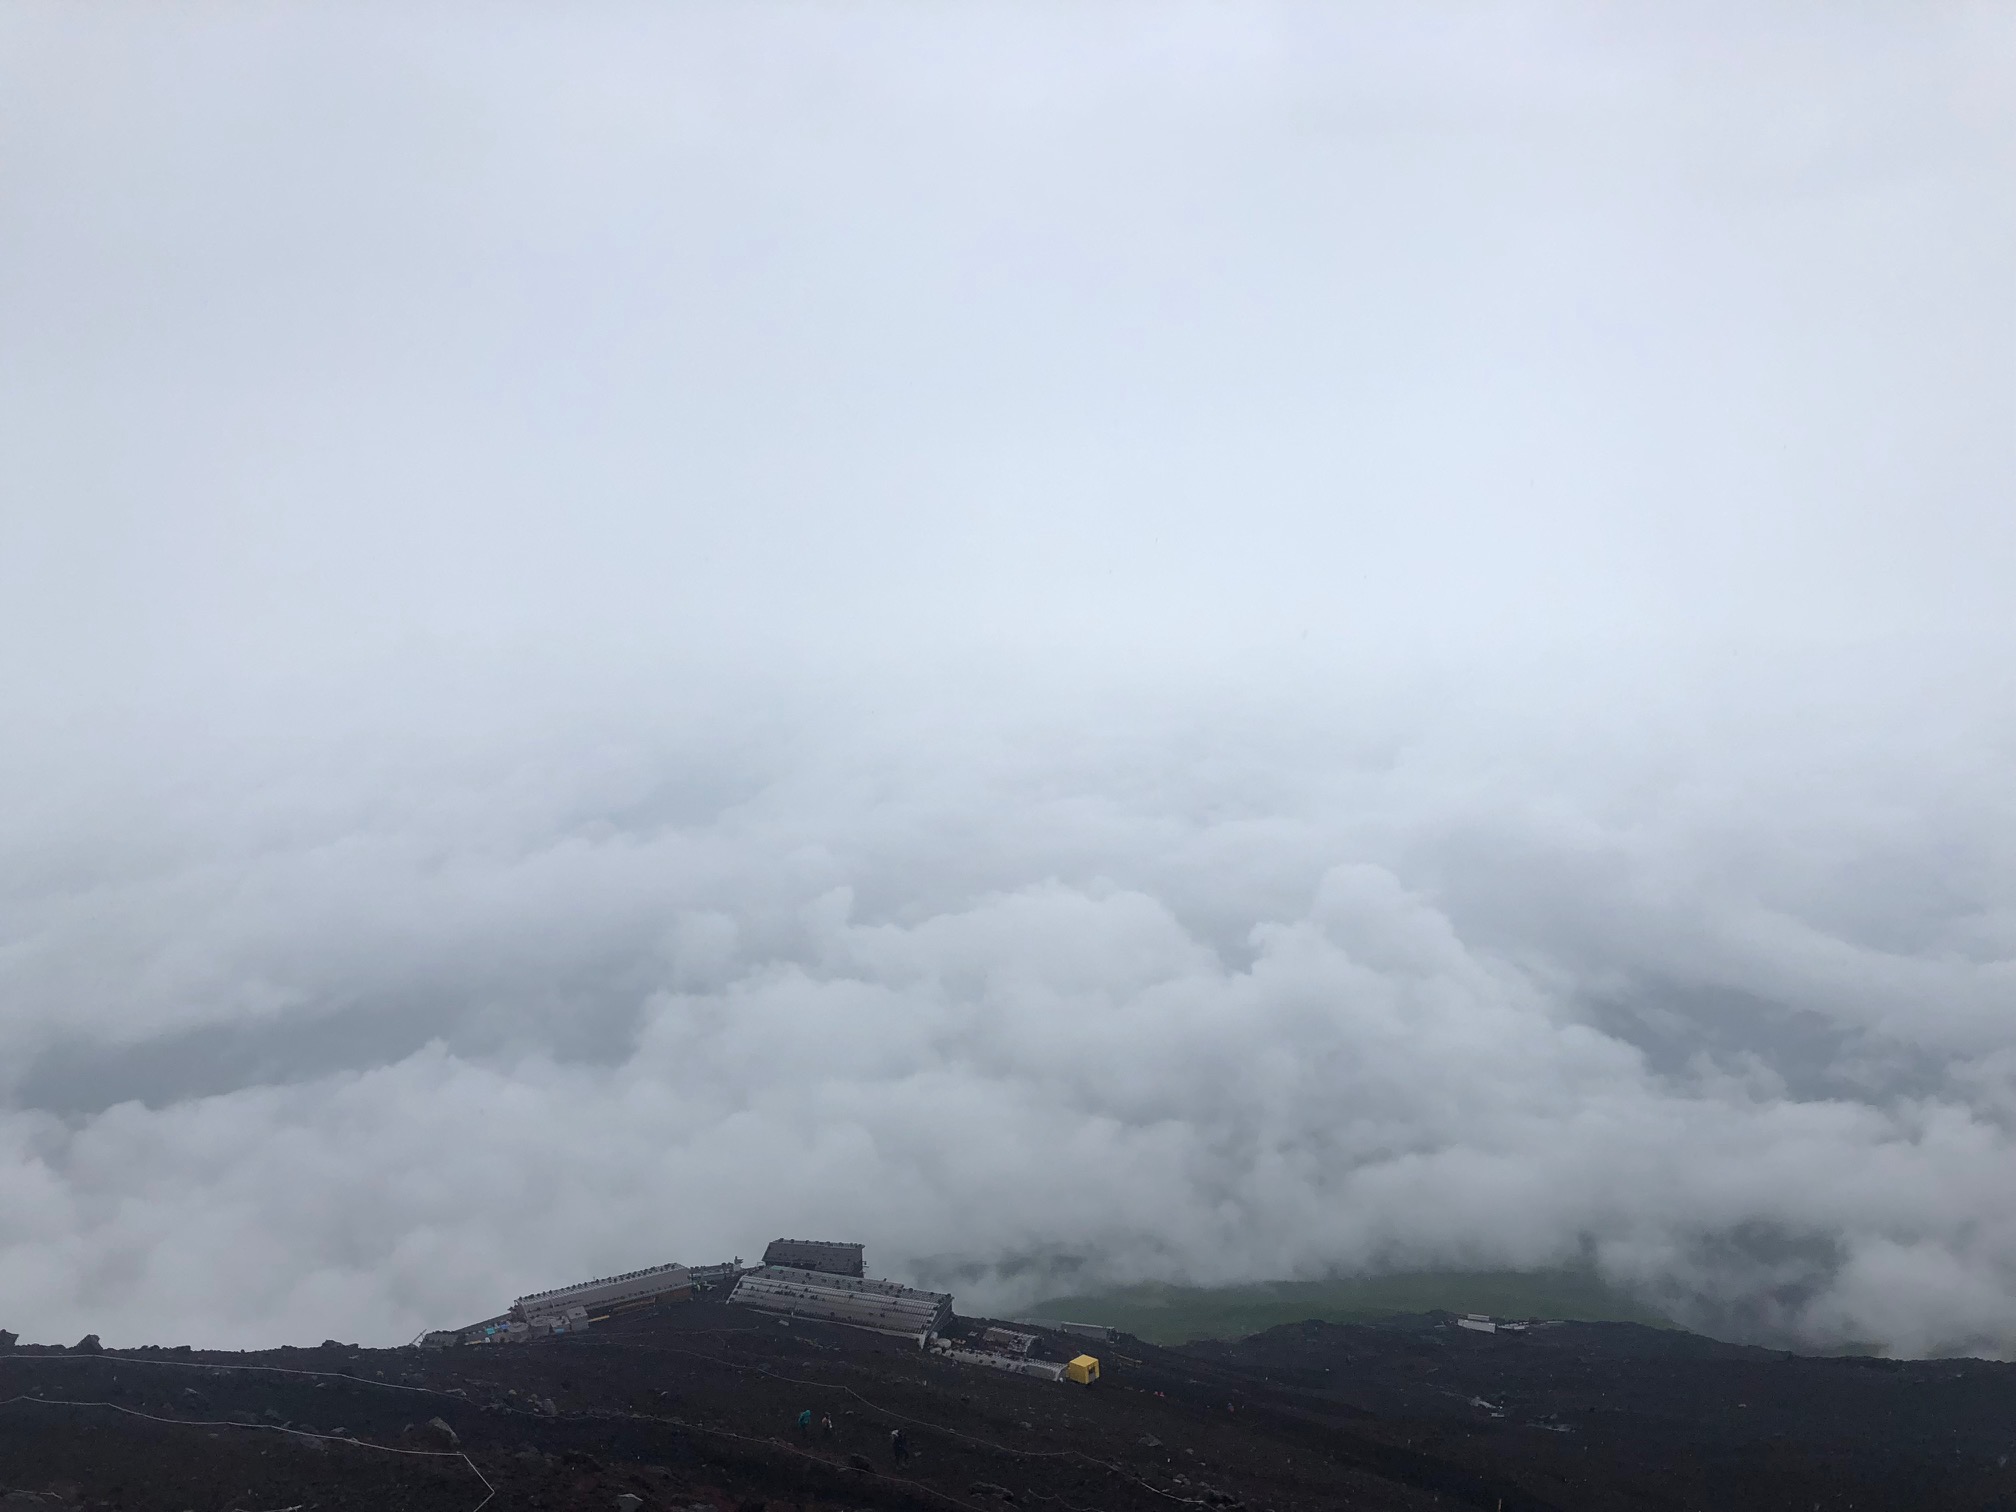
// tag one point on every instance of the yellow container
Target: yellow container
(1084, 1370)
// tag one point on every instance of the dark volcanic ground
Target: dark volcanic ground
(694, 1406)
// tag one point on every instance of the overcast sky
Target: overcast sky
(1085, 643)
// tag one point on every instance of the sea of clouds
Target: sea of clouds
(1126, 985)
(1157, 642)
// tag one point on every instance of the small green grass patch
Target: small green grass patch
(1164, 1314)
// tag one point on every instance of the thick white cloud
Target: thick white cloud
(1177, 642)
(1160, 1001)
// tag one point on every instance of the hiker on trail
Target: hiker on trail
(899, 1445)
(805, 1422)
(826, 1424)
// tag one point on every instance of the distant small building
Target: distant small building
(570, 1309)
(638, 1288)
(1477, 1323)
(816, 1255)
(1090, 1330)
(707, 1277)
(993, 1359)
(495, 1330)
(884, 1306)
(1008, 1340)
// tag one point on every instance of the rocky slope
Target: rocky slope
(696, 1406)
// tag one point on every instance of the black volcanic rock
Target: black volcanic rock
(696, 1405)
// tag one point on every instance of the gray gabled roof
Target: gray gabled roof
(815, 1255)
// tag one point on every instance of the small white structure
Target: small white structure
(1477, 1322)
(1090, 1330)
(987, 1359)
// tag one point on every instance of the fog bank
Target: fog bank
(1084, 645)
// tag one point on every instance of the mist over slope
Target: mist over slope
(1171, 644)
(1031, 1002)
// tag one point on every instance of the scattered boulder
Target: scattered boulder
(861, 1462)
(1149, 1441)
(629, 1501)
(439, 1427)
(988, 1488)
(87, 1345)
(7, 1341)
